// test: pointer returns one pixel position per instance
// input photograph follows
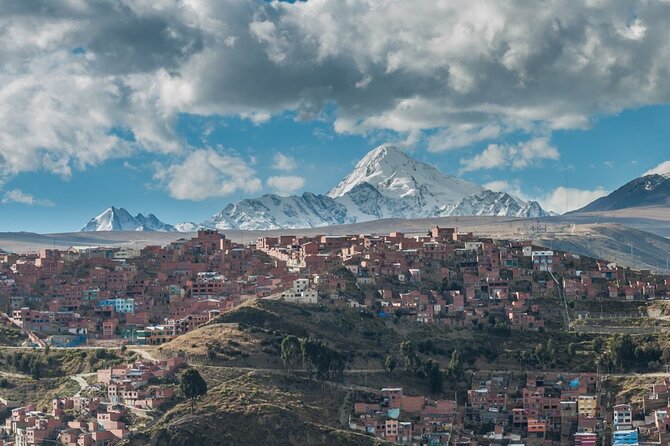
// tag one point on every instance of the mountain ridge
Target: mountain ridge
(385, 183)
(647, 190)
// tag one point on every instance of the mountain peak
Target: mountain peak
(119, 219)
(397, 175)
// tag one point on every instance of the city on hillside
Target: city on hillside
(118, 305)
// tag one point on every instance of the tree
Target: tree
(572, 349)
(192, 385)
(309, 352)
(621, 349)
(290, 352)
(539, 352)
(390, 363)
(665, 356)
(455, 365)
(211, 351)
(408, 351)
(434, 376)
(551, 349)
(598, 345)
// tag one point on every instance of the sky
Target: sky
(178, 108)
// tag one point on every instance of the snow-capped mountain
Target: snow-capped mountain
(415, 188)
(501, 204)
(649, 190)
(119, 219)
(386, 183)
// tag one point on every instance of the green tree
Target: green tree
(390, 363)
(434, 376)
(539, 352)
(598, 345)
(621, 349)
(309, 351)
(192, 386)
(408, 351)
(551, 349)
(290, 352)
(572, 349)
(455, 364)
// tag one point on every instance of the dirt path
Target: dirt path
(343, 412)
(144, 352)
(79, 379)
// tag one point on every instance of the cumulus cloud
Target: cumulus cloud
(661, 169)
(284, 162)
(18, 196)
(285, 185)
(562, 200)
(515, 156)
(77, 76)
(207, 174)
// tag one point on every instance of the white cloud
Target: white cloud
(284, 162)
(207, 174)
(18, 196)
(74, 73)
(515, 156)
(661, 169)
(285, 185)
(562, 200)
(463, 135)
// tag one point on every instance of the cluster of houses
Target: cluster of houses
(403, 419)
(547, 409)
(129, 384)
(102, 424)
(94, 421)
(152, 294)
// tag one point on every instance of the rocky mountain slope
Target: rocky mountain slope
(649, 190)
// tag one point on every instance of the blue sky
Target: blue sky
(119, 103)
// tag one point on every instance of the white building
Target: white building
(301, 293)
(623, 417)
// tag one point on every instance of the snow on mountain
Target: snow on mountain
(421, 188)
(488, 202)
(275, 212)
(119, 219)
(386, 183)
(189, 226)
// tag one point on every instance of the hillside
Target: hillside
(243, 408)
(361, 336)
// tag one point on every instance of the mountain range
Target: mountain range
(386, 183)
